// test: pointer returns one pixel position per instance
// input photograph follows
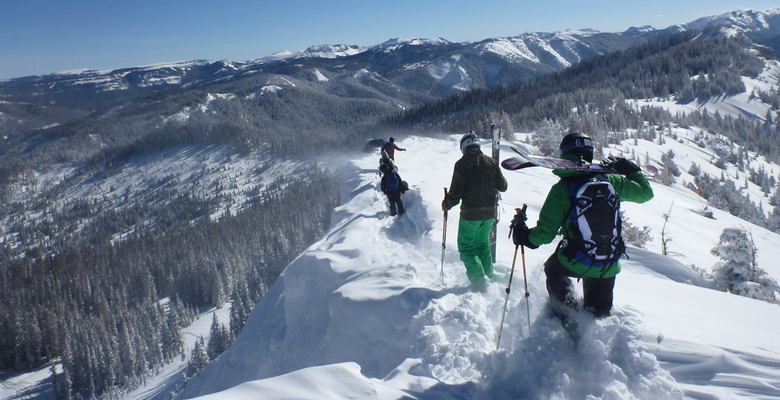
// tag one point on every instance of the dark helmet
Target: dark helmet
(392, 139)
(578, 144)
(468, 140)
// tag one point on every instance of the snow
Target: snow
(320, 76)
(362, 313)
(742, 20)
(167, 380)
(331, 51)
(279, 55)
(23, 383)
(511, 48)
(396, 43)
(742, 104)
(529, 46)
(207, 172)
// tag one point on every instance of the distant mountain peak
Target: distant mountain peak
(578, 32)
(640, 29)
(741, 20)
(331, 51)
(413, 42)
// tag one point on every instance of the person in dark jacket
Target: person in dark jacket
(392, 186)
(476, 179)
(598, 283)
(390, 147)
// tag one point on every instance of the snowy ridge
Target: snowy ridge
(533, 47)
(741, 20)
(362, 313)
(394, 44)
(330, 51)
(513, 48)
(345, 50)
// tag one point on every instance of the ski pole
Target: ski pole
(443, 239)
(509, 285)
(525, 283)
(506, 301)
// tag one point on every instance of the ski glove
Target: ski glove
(520, 237)
(444, 205)
(519, 230)
(625, 167)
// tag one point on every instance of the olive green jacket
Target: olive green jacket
(475, 181)
(633, 187)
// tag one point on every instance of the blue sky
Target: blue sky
(45, 36)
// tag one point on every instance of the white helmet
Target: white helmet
(468, 140)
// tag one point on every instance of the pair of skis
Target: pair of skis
(525, 159)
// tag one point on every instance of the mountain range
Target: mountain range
(396, 74)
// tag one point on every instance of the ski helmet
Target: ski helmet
(392, 139)
(468, 140)
(578, 144)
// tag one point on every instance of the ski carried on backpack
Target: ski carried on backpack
(527, 160)
(520, 162)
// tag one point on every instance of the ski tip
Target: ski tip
(650, 170)
(519, 149)
(515, 163)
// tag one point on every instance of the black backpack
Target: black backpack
(594, 222)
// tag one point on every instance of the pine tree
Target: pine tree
(670, 171)
(241, 308)
(238, 313)
(547, 137)
(634, 235)
(738, 273)
(62, 384)
(198, 358)
(220, 338)
(172, 342)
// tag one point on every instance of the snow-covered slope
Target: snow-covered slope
(363, 314)
(746, 104)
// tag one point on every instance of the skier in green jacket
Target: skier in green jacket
(598, 280)
(475, 181)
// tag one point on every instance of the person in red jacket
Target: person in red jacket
(390, 147)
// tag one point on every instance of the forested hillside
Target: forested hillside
(96, 308)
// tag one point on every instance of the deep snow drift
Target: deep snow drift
(363, 314)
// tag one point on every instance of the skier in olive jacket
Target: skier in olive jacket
(475, 181)
(598, 283)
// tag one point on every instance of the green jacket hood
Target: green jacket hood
(566, 173)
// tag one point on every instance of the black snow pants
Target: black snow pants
(396, 204)
(597, 292)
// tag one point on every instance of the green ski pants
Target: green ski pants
(475, 250)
